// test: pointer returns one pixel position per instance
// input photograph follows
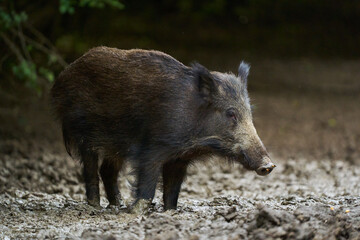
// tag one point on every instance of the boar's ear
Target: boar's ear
(206, 81)
(243, 71)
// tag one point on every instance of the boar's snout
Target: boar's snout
(265, 167)
(258, 161)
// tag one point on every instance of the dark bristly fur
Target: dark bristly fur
(147, 108)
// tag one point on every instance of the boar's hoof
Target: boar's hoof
(117, 202)
(94, 203)
(141, 206)
(266, 169)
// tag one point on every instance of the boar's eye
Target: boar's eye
(230, 113)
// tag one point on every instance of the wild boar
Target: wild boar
(147, 108)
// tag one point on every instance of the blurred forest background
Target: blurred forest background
(304, 81)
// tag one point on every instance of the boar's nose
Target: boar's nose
(265, 169)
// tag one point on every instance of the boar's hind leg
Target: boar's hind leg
(91, 177)
(173, 176)
(109, 173)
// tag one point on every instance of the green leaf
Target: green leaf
(52, 58)
(5, 19)
(115, 4)
(19, 17)
(29, 47)
(25, 71)
(67, 6)
(10, 19)
(46, 73)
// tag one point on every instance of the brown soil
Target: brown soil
(310, 127)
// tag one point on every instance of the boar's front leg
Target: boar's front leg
(91, 177)
(173, 176)
(109, 172)
(147, 171)
(148, 168)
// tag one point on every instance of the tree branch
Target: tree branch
(51, 48)
(42, 48)
(46, 50)
(22, 43)
(13, 47)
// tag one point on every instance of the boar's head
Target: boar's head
(225, 121)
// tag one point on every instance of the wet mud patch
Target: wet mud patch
(42, 196)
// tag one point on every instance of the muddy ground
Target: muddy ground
(311, 129)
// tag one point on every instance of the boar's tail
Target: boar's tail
(67, 141)
(70, 141)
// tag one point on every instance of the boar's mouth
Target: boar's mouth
(244, 160)
(241, 158)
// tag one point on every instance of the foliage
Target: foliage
(11, 19)
(30, 55)
(68, 6)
